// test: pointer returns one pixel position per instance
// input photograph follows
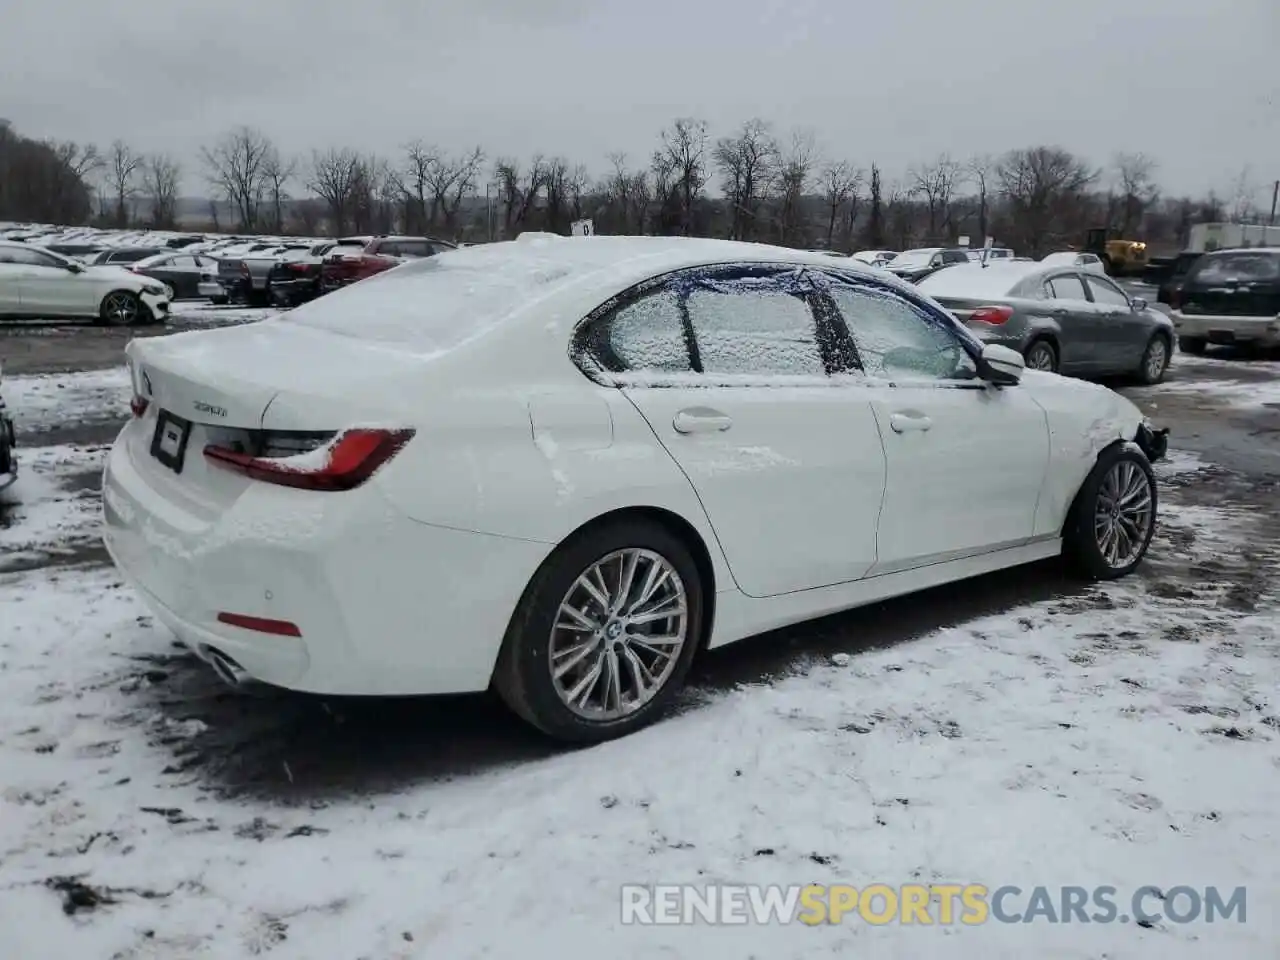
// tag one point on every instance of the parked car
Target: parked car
(427, 498)
(1072, 258)
(8, 440)
(37, 284)
(244, 276)
(1060, 319)
(874, 258)
(914, 265)
(343, 267)
(991, 254)
(1170, 286)
(182, 272)
(1230, 297)
(295, 276)
(122, 256)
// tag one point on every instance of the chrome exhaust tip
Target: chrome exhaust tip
(228, 671)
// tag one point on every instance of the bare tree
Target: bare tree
(518, 192)
(840, 183)
(936, 182)
(1242, 200)
(336, 177)
(682, 156)
(161, 178)
(748, 164)
(277, 171)
(875, 228)
(1135, 175)
(1043, 188)
(981, 168)
(123, 167)
(794, 179)
(627, 194)
(236, 167)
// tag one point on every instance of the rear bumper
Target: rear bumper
(384, 605)
(210, 288)
(1255, 331)
(294, 291)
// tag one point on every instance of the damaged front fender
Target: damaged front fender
(1153, 442)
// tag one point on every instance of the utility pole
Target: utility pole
(1275, 195)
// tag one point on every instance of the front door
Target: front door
(730, 371)
(1124, 334)
(48, 288)
(966, 460)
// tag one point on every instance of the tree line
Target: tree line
(750, 184)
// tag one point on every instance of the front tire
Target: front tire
(121, 308)
(1155, 361)
(1193, 345)
(1041, 355)
(1114, 515)
(604, 635)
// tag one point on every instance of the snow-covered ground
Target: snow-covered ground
(202, 313)
(1124, 734)
(42, 402)
(1228, 380)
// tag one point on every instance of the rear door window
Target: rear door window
(1236, 267)
(1067, 287)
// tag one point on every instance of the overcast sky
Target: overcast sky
(1192, 83)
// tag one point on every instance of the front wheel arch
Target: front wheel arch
(1070, 526)
(1052, 342)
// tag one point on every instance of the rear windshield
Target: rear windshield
(968, 281)
(1242, 265)
(433, 304)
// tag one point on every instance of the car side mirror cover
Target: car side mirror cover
(1138, 304)
(1001, 365)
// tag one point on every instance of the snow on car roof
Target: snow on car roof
(437, 303)
(969, 280)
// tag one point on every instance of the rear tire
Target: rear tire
(541, 632)
(1113, 518)
(1193, 345)
(1155, 361)
(1042, 355)
(218, 301)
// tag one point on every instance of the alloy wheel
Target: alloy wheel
(121, 308)
(618, 634)
(1041, 357)
(1124, 514)
(1157, 356)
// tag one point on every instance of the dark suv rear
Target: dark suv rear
(1232, 297)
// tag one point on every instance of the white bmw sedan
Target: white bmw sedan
(40, 284)
(564, 466)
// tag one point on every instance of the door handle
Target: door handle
(1059, 311)
(907, 422)
(701, 420)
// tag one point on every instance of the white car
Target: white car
(565, 466)
(1069, 258)
(874, 258)
(38, 284)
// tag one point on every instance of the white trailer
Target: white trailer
(1206, 237)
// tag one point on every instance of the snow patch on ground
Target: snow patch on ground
(54, 507)
(47, 401)
(201, 313)
(1114, 735)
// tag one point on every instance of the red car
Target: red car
(346, 264)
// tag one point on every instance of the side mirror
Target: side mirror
(1138, 304)
(75, 268)
(1001, 365)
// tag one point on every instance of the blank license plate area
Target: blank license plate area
(169, 445)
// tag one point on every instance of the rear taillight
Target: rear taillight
(139, 405)
(298, 267)
(344, 464)
(992, 315)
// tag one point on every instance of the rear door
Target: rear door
(184, 273)
(966, 460)
(1078, 319)
(1124, 333)
(732, 369)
